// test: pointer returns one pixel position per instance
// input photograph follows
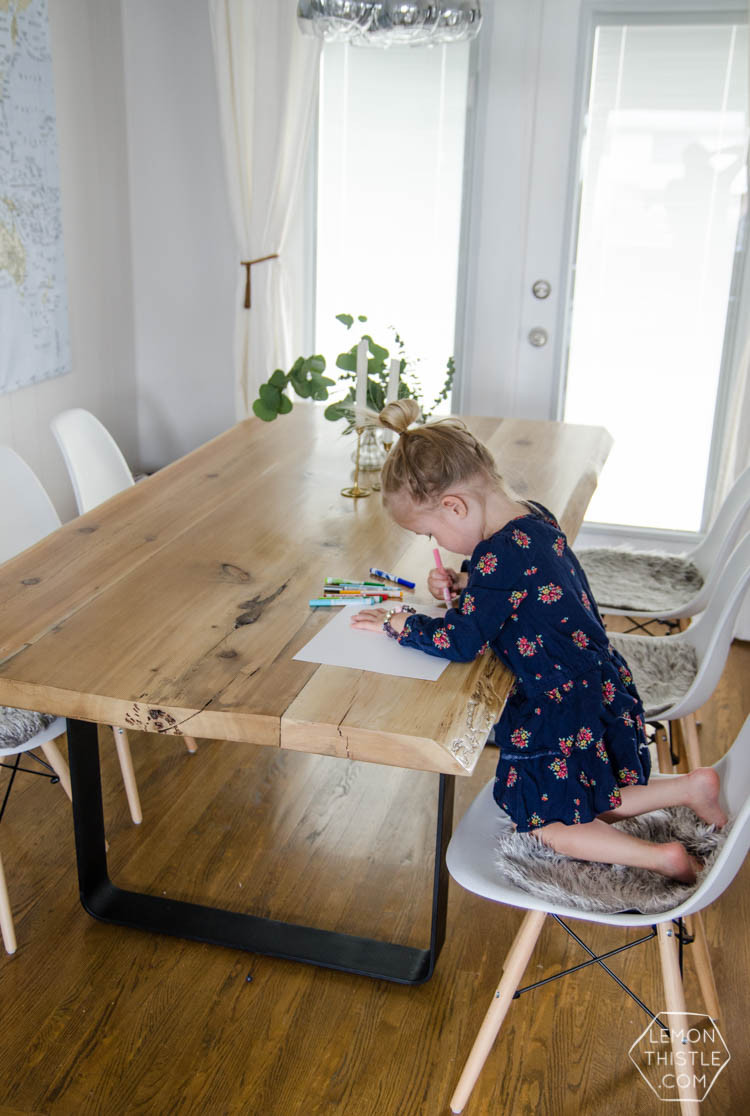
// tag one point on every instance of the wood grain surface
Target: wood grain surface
(178, 605)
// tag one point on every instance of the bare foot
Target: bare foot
(703, 796)
(676, 862)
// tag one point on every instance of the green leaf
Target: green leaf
(278, 379)
(314, 364)
(346, 319)
(285, 406)
(300, 385)
(347, 361)
(376, 351)
(270, 397)
(263, 412)
(361, 317)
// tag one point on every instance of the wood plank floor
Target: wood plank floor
(104, 1021)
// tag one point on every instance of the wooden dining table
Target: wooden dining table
(177, 608)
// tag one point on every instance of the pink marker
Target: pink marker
(439, 564)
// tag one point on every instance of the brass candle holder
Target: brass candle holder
(355, 492)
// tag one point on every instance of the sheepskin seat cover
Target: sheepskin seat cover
(523, 861)
(640, 581)
(19, 725)
(663, 668)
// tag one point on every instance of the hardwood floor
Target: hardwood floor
(102, 1021)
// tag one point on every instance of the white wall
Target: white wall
(87, 66)
(185, 262)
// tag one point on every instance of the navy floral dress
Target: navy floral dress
(572, 731)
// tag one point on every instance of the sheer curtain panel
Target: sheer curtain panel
(267, 75)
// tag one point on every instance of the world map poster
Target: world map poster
(34, 337)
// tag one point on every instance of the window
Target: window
(390, 169)
(662, 183)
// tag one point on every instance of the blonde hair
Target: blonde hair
(431, 459)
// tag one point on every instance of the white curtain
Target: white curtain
(267, 74)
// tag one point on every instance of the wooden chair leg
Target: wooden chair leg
(58, 764)
(514, 966)
(663, 754)
(128, 775)
(692, 744)
(699, 952)
(674, 995)
(678, 745)
(190, 744)
(6, 918)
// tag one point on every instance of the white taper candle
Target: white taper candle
(361, 396)
(394, 378)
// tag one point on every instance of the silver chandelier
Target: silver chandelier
(384, 23)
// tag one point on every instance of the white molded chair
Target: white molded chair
(29, 515)
(43, 737)
(97, 471)
(471, 862)
(94, 461)
(703, 647)
(704, 564)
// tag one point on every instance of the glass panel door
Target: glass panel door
(662, 181)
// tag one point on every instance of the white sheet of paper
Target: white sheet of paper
(338, 644)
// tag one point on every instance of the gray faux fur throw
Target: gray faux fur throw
(663, 668)
(19, 725)
(592, 886)
(639, 580)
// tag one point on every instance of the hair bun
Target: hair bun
(400, 414)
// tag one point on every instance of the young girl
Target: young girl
(573, 750)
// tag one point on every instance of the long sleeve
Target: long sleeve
(490, 597)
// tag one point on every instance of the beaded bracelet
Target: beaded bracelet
(389, 631)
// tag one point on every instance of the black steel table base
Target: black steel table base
(329, 949)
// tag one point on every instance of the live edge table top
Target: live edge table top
(178, 605)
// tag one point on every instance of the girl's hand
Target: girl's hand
(371, 620)
(438, 580)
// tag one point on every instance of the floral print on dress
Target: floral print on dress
(441, 639)
(627, 777)
(487, 564)
(527, 647)
(601, 751)
(625, 674)
(549, 594)
(520, 538)
(558, 767)
(566, 745)
(531, 570)
(559, 546)
(482, 649)
(554, 695)
(535, 821)
(520, 737)
(608, 692)
(584, 737)
(585, 600)
(517, 596)
(512, 777)
(579, 638)
(469, 605)
(615, 798)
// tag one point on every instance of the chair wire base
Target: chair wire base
(644, 625)
(683, 939)
(15, 767)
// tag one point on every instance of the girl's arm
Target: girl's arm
(490, 597)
